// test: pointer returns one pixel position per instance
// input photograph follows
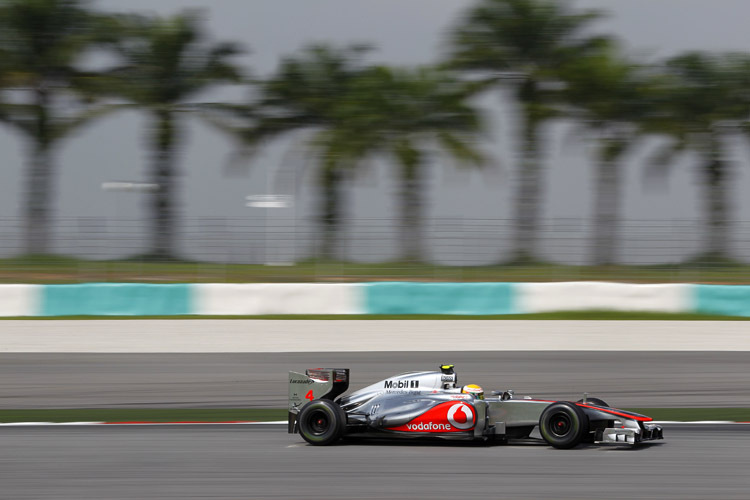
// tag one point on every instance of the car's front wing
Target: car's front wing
(633, 433)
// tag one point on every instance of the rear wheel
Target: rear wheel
(594, 401)
(563, 425)
(321, 422)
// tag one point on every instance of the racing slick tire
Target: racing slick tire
(594, 401)
(321, 422)
(563, 425)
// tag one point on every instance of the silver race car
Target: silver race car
(430, 404)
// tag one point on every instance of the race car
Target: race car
(431, 404)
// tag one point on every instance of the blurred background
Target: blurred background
(335, 141)
(486, 140)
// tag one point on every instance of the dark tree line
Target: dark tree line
(350, 110)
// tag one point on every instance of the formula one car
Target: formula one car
(430, 404)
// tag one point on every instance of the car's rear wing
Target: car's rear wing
(316, 383)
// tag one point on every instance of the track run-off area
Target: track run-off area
(243, 363)
(202, 336)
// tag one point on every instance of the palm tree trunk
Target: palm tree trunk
(38, 200)
(410, 226)
(717, 205)
(527, 205)
(606, 211)
(162, 204)
(39, 180)
(330, 182)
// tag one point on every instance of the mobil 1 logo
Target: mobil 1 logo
(401, 384)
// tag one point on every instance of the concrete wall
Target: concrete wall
(133, 299)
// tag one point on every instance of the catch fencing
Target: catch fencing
(287, 249)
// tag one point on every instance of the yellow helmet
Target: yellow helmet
(474, 390)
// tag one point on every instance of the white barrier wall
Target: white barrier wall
(586, 296)
(135, 299)
(20, 300)
(276, 298)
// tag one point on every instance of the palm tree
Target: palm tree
(612, 99)
(704, 102)
(522, 44)
(305, 95)
(42, 44)
(165, 64)
(406, 114)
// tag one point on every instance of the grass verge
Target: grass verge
(271, 414)
(143, 415)
(58, 269)
(696, 414)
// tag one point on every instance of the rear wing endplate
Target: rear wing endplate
(315, 383)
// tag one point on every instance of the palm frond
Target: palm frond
(62, 128)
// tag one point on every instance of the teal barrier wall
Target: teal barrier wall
(730, 300)
(116, 299)
(439, 298)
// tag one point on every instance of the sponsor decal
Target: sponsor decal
(429, 426)
(451, 416)
(461, 416)
(308, 381)
(401, 384)
(447, 378)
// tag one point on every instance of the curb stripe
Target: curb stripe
(149, 422)
(228, 422)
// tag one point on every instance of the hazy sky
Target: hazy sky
(404, 32)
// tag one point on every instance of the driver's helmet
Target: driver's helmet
(474, 390)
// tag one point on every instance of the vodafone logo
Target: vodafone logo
(461, 416)
(450, 416)
(428, 426)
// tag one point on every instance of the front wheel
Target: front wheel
(321, 422)
(563, 425)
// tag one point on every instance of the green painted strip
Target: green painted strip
(439, 298)
(113, 299)
(730, 300)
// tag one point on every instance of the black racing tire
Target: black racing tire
(321, 422)
(563, 425)
(594, 401)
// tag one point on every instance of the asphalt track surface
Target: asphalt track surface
(623, 379)
(233, 462)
